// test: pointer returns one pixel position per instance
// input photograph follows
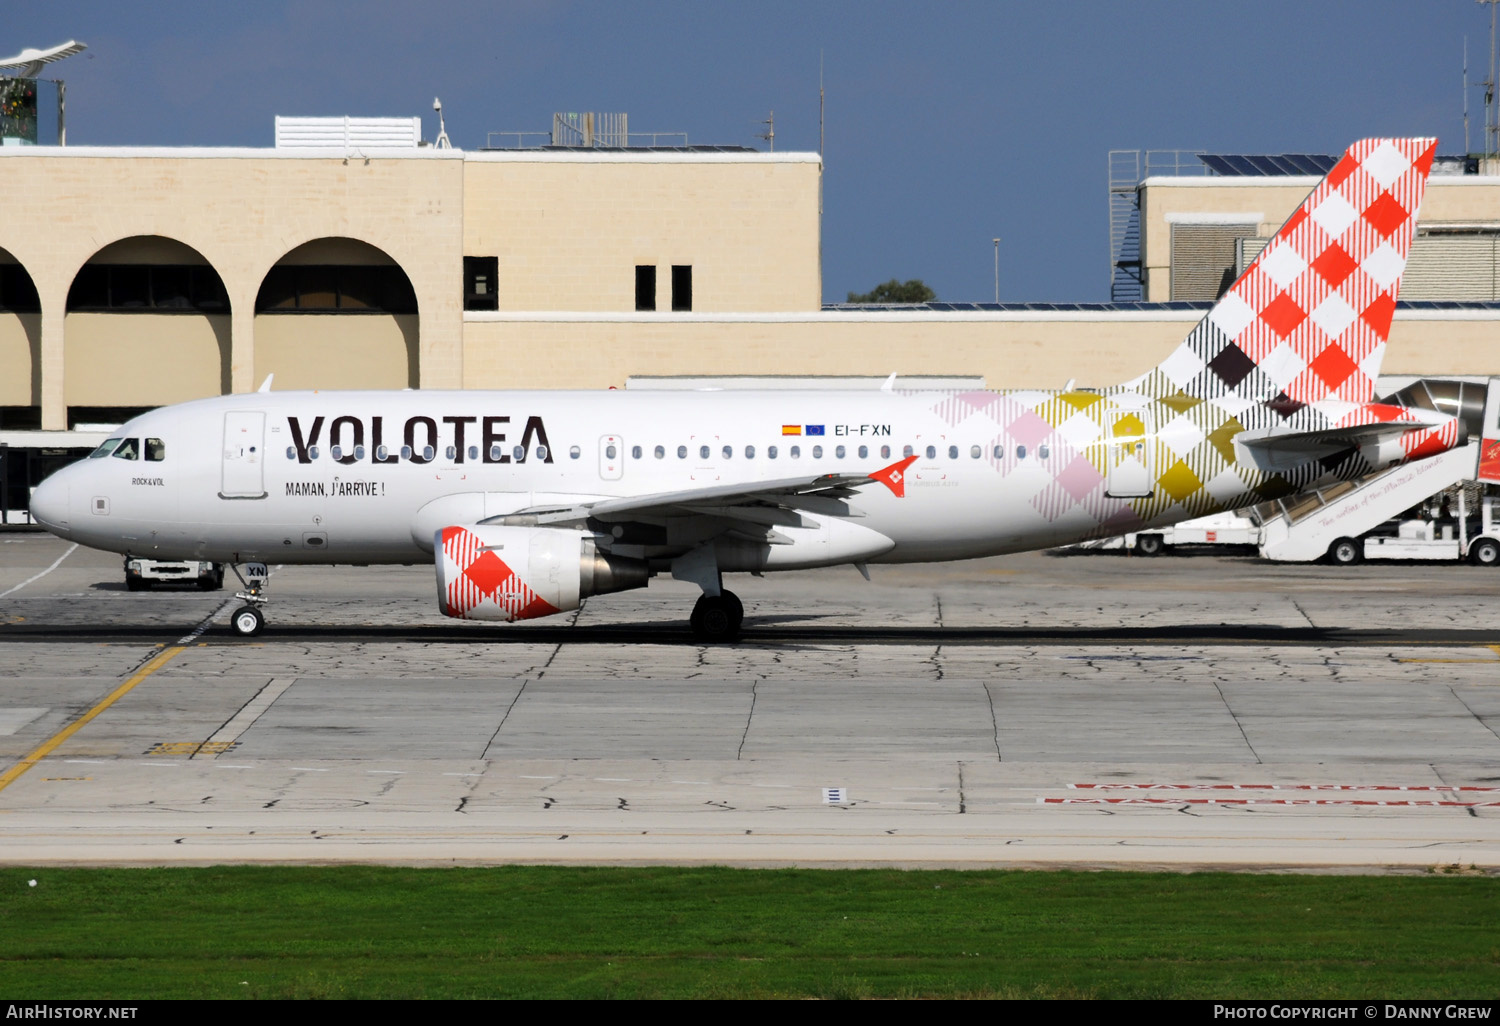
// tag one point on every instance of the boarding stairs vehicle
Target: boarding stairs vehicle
(1444, 507)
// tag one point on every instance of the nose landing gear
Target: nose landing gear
(248, 620)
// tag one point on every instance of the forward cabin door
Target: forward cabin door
(244, 455)
(611, 457)
(1127, 454)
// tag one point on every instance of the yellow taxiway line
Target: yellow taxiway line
(155, 663)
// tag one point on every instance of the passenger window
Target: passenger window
(336, 451)
(728, 452)
(359, 452)
(291, 452)
(839, 451)
(156, 450)
(428, 452)
(885, 452)
(405, 452)
(635, 452)
(864, 452)
(312, 452)
(659, 452)
(518, 454)
(452, 453)
(953, 452)
(129, 449)
(795, 452)
(574, 453)
(703, 452)
(932, 452)
(541, 453)
(999, 452)
(108, 446)
(770, 452)
(474, 452)
(906, 450)
(1041, 451)
(817, 452)
(974, 451)
(749, 452)
(682, 452)
(609, 452)
(1020, 452)
(382, 453)
(495, 454)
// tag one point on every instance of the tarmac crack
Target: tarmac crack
(750, 716)
(1238, 725)
(1469, 709)
(994, 720)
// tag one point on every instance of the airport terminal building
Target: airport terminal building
(353, 255)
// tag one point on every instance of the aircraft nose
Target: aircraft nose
(49, 504)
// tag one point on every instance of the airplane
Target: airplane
(529, 503)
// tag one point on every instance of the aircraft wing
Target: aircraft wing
(764, 503)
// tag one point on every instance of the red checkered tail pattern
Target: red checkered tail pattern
(1309, 318)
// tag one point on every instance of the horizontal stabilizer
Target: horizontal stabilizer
(1326, 439)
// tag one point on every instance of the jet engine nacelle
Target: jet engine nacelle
(489, 572)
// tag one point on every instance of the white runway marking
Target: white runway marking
(71, 549)
(251, 710)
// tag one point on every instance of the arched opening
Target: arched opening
(147, 324)
(20, 347)
(337, 313)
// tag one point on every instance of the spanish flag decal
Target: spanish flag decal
(791, 429)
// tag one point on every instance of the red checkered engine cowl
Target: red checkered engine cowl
(505, 573)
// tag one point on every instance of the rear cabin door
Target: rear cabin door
(1127, 454)
(244, 455)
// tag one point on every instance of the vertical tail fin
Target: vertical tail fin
(1309, 318)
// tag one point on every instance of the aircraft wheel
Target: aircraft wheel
(1150, 544)
(736, 608)
(715, 618)
(1485, 552)
(1345, 552)
(247, 621)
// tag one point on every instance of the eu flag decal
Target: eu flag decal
(815, 429)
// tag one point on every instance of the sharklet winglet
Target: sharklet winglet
(894, 476)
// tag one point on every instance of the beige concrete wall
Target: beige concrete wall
(337, 350)
(144, 359)
(1008, 353)
(1458, 199)
(20, 359)
(243, 210)
(569, 235)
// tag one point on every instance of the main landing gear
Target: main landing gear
(717, 617)
(248, 620)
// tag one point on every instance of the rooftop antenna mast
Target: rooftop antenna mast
(1466, 96)
(1490, 125)
(441, 143)
(769, 135)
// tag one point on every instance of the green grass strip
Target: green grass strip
(377, 932)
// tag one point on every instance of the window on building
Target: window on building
(682, 286)
(143, 288)
(321, 288)
(645, 287)
(480, 277)
(17, 292)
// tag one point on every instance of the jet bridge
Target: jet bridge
(1349, 521)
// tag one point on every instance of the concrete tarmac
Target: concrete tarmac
(1035, 710)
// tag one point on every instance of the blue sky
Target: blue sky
(947, 123)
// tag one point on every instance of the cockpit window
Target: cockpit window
(156, 450)
(105, 448)
(129, 449)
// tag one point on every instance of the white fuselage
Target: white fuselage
(291, 501)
